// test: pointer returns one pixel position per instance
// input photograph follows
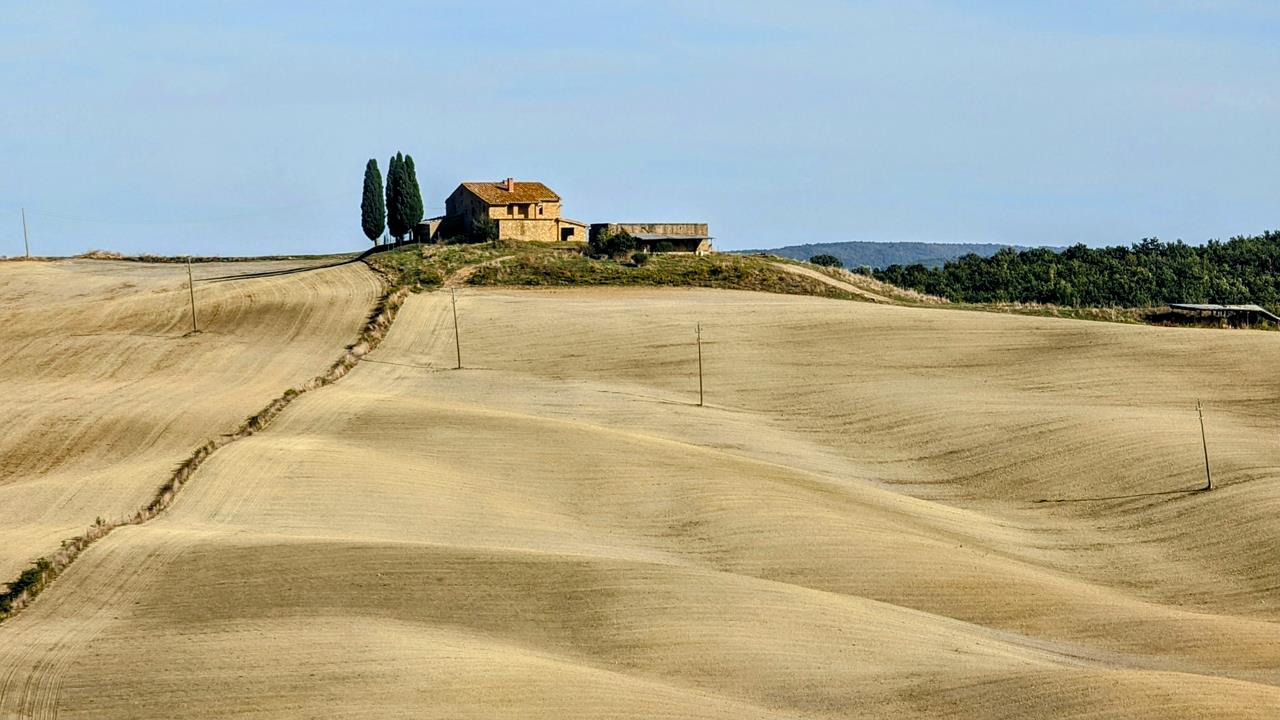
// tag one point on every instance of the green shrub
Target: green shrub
(640, 258)
(826, 261)
(665, 246)
(611, 244)
(483, 229)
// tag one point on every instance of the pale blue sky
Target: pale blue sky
(243, 127)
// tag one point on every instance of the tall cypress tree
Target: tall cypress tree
(373, 213)
(413, 194)
(391, 193)
(397, 219)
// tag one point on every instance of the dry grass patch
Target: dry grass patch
(725, 272)
(565, 265)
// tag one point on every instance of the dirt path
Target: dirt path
(462, 275)
(828, 280)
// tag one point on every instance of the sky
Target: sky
(238, 128)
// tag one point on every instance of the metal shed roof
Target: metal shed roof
(668, 236)
(1204, 307)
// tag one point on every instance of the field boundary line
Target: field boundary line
(833, 282)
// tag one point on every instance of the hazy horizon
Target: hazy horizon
(244, 128)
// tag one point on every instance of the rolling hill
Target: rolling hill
(105, 390)
(881, 511)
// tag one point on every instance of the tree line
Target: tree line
(860, 254)
(396, 208)
(1244, 269)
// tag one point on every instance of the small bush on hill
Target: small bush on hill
(611, 244)
(32, 578)
(102, 255)
(483, 230)
(826, 261)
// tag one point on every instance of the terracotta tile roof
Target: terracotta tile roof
(495, 193)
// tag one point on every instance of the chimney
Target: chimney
(511, 185)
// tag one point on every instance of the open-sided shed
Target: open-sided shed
(1236, 314)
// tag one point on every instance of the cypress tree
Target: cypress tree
(391, 186)
(373, 213)
(397, 219)
(413, 194)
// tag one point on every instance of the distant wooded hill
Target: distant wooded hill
(883, 254)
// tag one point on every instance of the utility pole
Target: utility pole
(457, 341)
(699, 364)
(191, 284)
(1208, 485)
(25, 242)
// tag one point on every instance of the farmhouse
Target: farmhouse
(662, 237)
(530, 211)
(522, 211)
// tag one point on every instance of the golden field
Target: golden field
(104, 389)
(854, 526)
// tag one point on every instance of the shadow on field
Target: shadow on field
(1119, 497)
(278, 273)
(650, 398)
(408, 365)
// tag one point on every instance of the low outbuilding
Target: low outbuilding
(428, 230)
(662, 237)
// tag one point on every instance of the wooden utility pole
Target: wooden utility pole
(191, 285)
(457, 341)
(699, 364)
(25, 242)
(1208, 477)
